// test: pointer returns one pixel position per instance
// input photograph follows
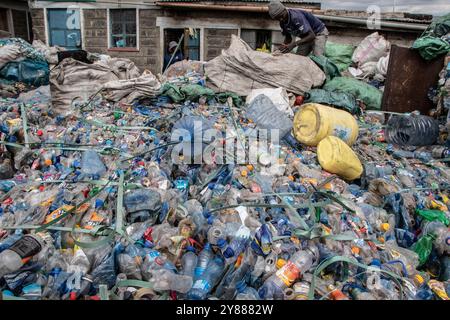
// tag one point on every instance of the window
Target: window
(257, 39)
(123, 28)
(189, 46)
(64, 28)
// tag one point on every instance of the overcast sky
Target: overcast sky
(437, 7)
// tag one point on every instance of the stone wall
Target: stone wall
(96, 38)
(38, 22)
(216, 40)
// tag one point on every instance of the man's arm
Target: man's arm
(287, 38)
(310, 36)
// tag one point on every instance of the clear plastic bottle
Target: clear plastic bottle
(359, 294)
(299, 263)
(79, 266)
(207, 280)
(204, 257)
(91, 164)
(189, 262)
(238, 244)
(442, 233)
(6, 243)
(13, 258)
(216, 232)
(244, 292)
(163, 279)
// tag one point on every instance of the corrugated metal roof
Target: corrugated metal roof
(286, 1)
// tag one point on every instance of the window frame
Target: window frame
(109, 32)
(47, 23)
(48, 29)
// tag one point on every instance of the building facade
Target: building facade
(141, 29)
(15, 19)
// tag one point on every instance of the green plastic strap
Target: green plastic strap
(293, 215)
(266, 205)
(24, 123)
(103, 290)
(335, 199)
(66, 213)
(335, 259)
(94, 244)
(11, 144)
(55, 228)
(119, 210)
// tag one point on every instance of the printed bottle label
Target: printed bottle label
(288, 273)
(27, 246)
(202, 285)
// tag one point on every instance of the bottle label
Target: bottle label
(26, 247)
(288, 273)
(199, 271)
(202, 285)
(95, 220)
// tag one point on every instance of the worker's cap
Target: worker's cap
(172, 44)
(276, 8)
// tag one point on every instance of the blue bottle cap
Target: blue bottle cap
(190, 248)
(99, 203)
(207, 246)
(221, 243)
(210, 219)
(240, 286)
(375, 262)
(228, 253)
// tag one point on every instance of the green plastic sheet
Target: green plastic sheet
(370, 95)
(431, 47)
(328, 67)
(339, 100)
(423, 248)
(339, 54)
(433, 215)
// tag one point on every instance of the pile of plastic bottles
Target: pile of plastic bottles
(92, 206)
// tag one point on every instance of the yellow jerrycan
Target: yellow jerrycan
(314, 122)
(337, 157)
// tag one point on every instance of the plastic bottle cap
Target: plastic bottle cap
(244, 173)
(385, 227)
(250, 167)
(419, 279)
(48, 162)
(280, 263)
(40, 133)
(228, 253)
(375, 262)
(221, 243)
(355, 250)
(190, 248)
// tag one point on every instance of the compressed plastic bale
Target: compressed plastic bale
(370, 95)
(314, 122)
(337, 157)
